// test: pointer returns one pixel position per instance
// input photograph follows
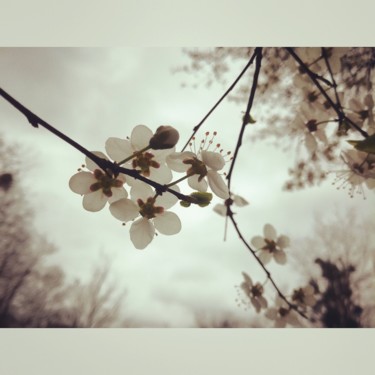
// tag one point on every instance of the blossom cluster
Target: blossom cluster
(152, 156)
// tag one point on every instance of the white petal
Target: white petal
(167, 200)
(239, 201)
(94, 201)
(247, 279)
(217, 184)
(280, 257)
(124, 210)
(255, 303)
(271, 313)
(258, 242)
(140, 137)
(265, 256)
(118, 149)
(90, 164)
(80, 182)
(117, 193)
(283, 241)
(263, 302)
(321, 135)
(167, 223)
(310, 142)
(175, 160)
(162, 175)
(141, 233)
(142, 191)
(196, 185)
(269, 232)
(213, 160)
(220, 209)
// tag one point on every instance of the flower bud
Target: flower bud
(165, 137)
(201, 198)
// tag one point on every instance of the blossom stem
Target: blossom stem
(134, 155)
(104, 164)
(269, 277)
(258, 54)
(196, 127)
(180, 179)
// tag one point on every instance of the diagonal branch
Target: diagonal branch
(258, 53)
(104, 164)
(336, 108)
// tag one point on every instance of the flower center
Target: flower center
(105, 182)
(197, 167)
(363, 114)
(257, 290)
(270, 245)
(311, 97)
(312, 126)
(144, 161)
(283, 311)
(298, 296)
(148, 209)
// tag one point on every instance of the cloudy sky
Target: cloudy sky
(93, 94)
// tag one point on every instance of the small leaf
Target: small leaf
(367, 145)
(202, 199)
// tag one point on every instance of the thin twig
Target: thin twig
(281, 295)
(196, 127)
(104, 164)
(258, 53)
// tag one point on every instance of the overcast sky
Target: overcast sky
(93, 94)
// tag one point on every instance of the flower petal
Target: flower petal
(117, 193)
(140, 137)
(214, 160)
(310, 142)
(80, 182)
(162, 175)
(167, 223)
(239, 201)
(265, 257)
(141, 190)
(142, 233)
(124, 210)
(217, 184)
(220, 209)
(197, 185)
(269, 232)
(283, 241)
(118, 149)
(167, 200)
(258, 242)
(175, 160)
(94, 201)
(280, 257)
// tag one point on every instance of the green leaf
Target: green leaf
(367, 145)
(202, 199)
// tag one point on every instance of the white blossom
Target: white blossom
(202, 169)
(150, 212)
(270, 246)
(96, 186)
(253, 292)
(282, 314)
(360, 172)
(149, 163)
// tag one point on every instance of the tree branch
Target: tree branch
(196, 127)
